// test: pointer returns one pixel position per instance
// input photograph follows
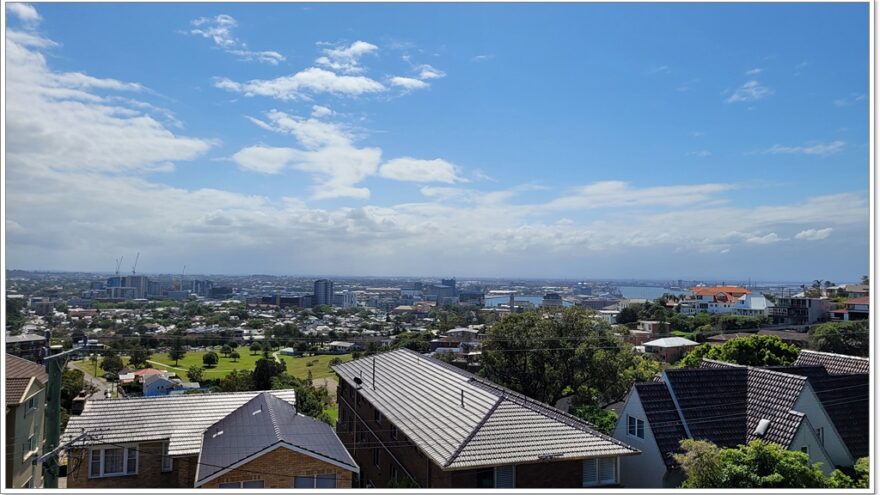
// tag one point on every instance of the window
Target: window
(28, 447)
(377, 416)
(505, 477)
(820, 432)
(635, 427)
(376, 458)
(243, 484)
(113, 461)
(601, 471)
(394, 432)
(167, 460)
(31, 405)
(805, 449)
(319, 481)
(486, 479)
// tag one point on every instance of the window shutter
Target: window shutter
(590, 475)
(607, 470)
(504, 476)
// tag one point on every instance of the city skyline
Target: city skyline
(615, 141)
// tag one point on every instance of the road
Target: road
(99, 383)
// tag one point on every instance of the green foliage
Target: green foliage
(14, 315)
(843, 337)
(234, 356)
(195, 373)
(138, 357)
(111, 364)
(755, 465)
(858, 477)
(226, 350)
(728, 323)
(210, 359)
(264, 370)
(543, 356)
(446, 357)
(629, 314)
(416, 341)
(177, 351)
(603, 420)
(755, 350)
(255, 348)
(237, 381)
(309, 400)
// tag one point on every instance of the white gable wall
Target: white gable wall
(646, 470)
(806, 437)
(809, 404)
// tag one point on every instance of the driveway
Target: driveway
(99, 383)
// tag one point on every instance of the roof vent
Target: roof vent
(761, 430)
(217, 434)
(258, 411)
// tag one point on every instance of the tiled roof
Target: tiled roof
(730, 290)
(859, 300)
(662, 418)
(422, 397)
(179, 418)
(713, 402)
(19, 373)
(671, 342)
(24, 337)
(263, 423)
(835, 364)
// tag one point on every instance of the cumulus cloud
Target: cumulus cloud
(819, 149)
(770, 238)
(750, 91)
(25, 12)
(414, 170)
(408, 83)
(301, 85)
(346, 58)
(219, 29)
(425, 71)
(814, 234)
(319, 111)
(612, 194)
(263, 159)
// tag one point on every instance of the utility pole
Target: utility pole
(53, 454)
(54, 368)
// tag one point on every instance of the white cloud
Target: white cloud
(750, 91)
(414, 170)
(219, 30)
(770, 238)
(699, 153)
(819, 149)
(482, 57)
(850, 99)
(264, 159)
(408, 83)
(319, 111)
(814, 234)
(754, 72)
(614, 194)
(662, 69)
(25, 12)
(346, 58)
(425, 71)
(301, 85)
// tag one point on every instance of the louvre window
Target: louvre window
(505, 476)
(602, 471)
(591, 472)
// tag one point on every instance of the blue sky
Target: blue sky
(588, 140)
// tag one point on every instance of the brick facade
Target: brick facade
(278, 468)
(149, 472)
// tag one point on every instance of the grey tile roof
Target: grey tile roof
(662, 418)
(261, 424)
(835, 364)
(179, 418)
(18, 376)
(24, 337)
(422, 397)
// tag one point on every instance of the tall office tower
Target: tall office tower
(323, 292)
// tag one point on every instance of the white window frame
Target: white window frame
(632, 427)
(594, 466)
(805, 449)
(29, 447)
(240, 484)
(31, 405)
(314, 480)
(126, 452)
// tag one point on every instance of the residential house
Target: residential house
(752, 305)
(857, 308)
(655, 328)
(163, 384)
(235, 440)
(802, 407)
(669, 349)
(799, 310)
(338, 347)
(26, 345)
(720, 299)
(405, 416)
(857, 290)
(25, 407)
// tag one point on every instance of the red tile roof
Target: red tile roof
(859, 300)
(147, 371)
(731, 290)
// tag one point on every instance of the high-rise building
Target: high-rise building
(450, 283)
(323, 292)
(345, 299)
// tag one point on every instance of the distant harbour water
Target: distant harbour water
(649, 293)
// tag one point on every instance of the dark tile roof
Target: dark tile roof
(663, 419)
(713, 402)
(261, 424)
(772, 395)
(19, 373)
(835, 364)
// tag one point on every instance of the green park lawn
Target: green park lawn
(296, 366)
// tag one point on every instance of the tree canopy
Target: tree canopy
(138, 357)
(210, 359)
(755, 350)
(841, 337)
(548, 356)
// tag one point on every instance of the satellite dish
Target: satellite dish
(358, 382)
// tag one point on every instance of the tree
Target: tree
(264, 370)
(861, 471)
(210, 359)
(546, 358)
(758, 464)
(177, 351)
(234, 355)
(755, 350)
(226, 350)
(138, 357)
(629, 314)
(602, 419)
(310, 401)
(195, 373)
(866, 280)
(255, 348)
(112, 365)
(841, 337)
(237, 381)
(417, 341)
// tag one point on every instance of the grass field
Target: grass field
(296, 366)
(89, 366)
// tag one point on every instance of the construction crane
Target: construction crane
(181, 277)
(135, 262)
(118, 262)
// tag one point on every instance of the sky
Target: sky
(486, 140)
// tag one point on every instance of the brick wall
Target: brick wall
(278, 467)
(149, 473)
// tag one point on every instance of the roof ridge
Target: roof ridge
(270, 406)
(473, 432)
(823, 353)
